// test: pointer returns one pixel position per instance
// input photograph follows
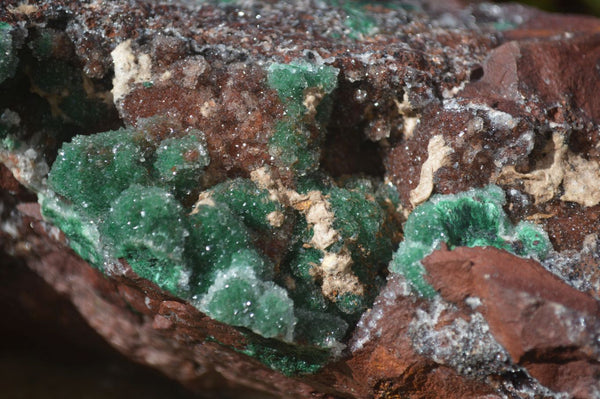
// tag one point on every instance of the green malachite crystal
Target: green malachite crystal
(209, 254)
(81, 230)
(180, 162)
(145, 227)
(91, 171)
(303, 89)
(218, 239)
(472, 218)
(248, 202)
(238, 297)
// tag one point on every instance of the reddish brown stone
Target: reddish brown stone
(549, 327)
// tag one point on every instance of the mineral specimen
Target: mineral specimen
(278, 195)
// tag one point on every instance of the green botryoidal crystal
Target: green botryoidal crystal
(145, 226)
(234, 277)
(146, 218)
(292, 80)
(239, 298)
(8, 56)
(252, 204)
(215, 236)
(120, 194)
(303, 89)
(180, 162)
(473, 218)
(91, 171)
(81, 230)
(360, 221)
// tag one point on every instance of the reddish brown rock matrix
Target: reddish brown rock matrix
(546, 326)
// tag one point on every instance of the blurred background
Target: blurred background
(590, 7)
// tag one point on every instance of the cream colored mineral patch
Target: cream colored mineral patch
(543, 182)
(275, 218)
(338, 277)
(129, 69)
(410, 119)
(581, 182)
(203, 199)
(438, 153)
(312, 98)
(579, 177)
(23, 8)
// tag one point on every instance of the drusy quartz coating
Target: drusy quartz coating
(288, 253)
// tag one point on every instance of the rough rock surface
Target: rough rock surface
(431, 97)
(546, 326)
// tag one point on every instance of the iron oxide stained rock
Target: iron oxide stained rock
(545, 325)
(285, 144)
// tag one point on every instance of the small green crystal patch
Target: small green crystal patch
(145, 227)
(473, 218)
(81, 230)
(358, 21)
(287, 359)
(239, 298)
(253, 205)
(103, 165)
(8, 60)
(303, 89)
(180, 161)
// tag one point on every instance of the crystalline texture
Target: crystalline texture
(145, 226)
(239, 298)
(180, 161)
(473, 218)
(301, 88)
(92, 171)
(247, 201)
(125, 194)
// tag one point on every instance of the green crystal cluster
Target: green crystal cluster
(118, 194)
(358, 21)
(472, 218)
(364, 231)
(126, 194)
(295, 262)
(303, 88)
(8, 58)
(118, 197)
